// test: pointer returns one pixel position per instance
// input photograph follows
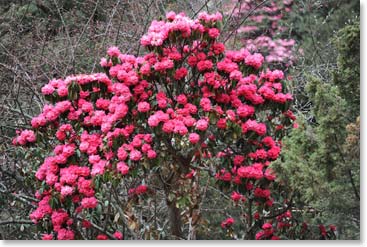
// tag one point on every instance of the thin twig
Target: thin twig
(244, 19)
(95, 226)
(9, 222)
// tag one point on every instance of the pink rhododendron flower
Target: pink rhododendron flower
(118, 235)
(180, 73)
(122, 168)
(194, 138)
(135, 155)
(66, 190)
(213, 33)
(227, 222)
(255, 60)
(143, 107)
(102, 237)
(47, 89)
(182, 99)
(141, 189)
(26, 136)
(151, 154)
(65, 234)
(202, 124)
(113, 51)
(89, 202)
(47, 236)
(236, 196)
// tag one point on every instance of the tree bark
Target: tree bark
(174, 214)
(174, 217)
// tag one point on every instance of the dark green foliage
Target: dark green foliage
(347, 76)
(321, 158)
(314, 22)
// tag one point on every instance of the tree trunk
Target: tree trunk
(174, 217)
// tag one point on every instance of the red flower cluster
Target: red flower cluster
(227, 223)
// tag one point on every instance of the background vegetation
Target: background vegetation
(41, 40)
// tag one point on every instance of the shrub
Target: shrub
(151, 128)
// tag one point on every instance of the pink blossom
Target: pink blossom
(171, 15)
(135, 155)
(245, 111)
(113, 51)
(85, 187)
(58, 218)
(143, 107)
(202, 124)
(118, 235)
(62, 91)
(227, 222)
(238, 160)
(153, 121)
(47, 236)
(205, 104)
(194, 138)
(89, 202)
(151, 154)
(274, 152)
(259, 235)
(227, 65)
(38, 121)
(141, 189)
(98, 168)
(180, 73)
(26, 136)
(266, 226)
(163, 65)
(104, 62)
(123, 168)
(168, 127)
(254, 171)
(213, 33)
(148, 138)
(66, 190)
(261, 193)
(236, 196)
(47, 89)
(268, 229)
(102, 237)
(192, 108)
(146, 147)
(222, 123)
(218, 48)
(254, 60)
(180, 128)
(122, 154)
(182, 99)
(204, 65)
(64, 234)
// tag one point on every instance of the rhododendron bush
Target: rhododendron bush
(264, 29)
(148, 130)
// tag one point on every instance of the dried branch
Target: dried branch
(11, 222)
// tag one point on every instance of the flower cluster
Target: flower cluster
(266, 233)
(227, 222)
(24, 137)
